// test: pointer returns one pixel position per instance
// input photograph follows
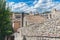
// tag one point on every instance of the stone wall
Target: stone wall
(16, 20)
(41, 38)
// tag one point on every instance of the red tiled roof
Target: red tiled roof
(35, 19)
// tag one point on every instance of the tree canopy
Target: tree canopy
(5, 20)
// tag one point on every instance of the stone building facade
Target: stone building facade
(16, 21)
(38, 27)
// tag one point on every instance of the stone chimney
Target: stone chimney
(49, 16)
(53, 13)
(36, 13)
(53, 10)
(31, 13)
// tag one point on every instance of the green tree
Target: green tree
(5, 21)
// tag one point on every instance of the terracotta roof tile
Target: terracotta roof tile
(49, 28)
(35, 19)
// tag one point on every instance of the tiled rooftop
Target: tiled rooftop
(35, 19)
(50, 28)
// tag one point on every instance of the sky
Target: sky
(33, 5)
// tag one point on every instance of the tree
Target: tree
(5, 21)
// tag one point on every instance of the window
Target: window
(17, 16)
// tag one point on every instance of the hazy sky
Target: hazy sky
(33, 5)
